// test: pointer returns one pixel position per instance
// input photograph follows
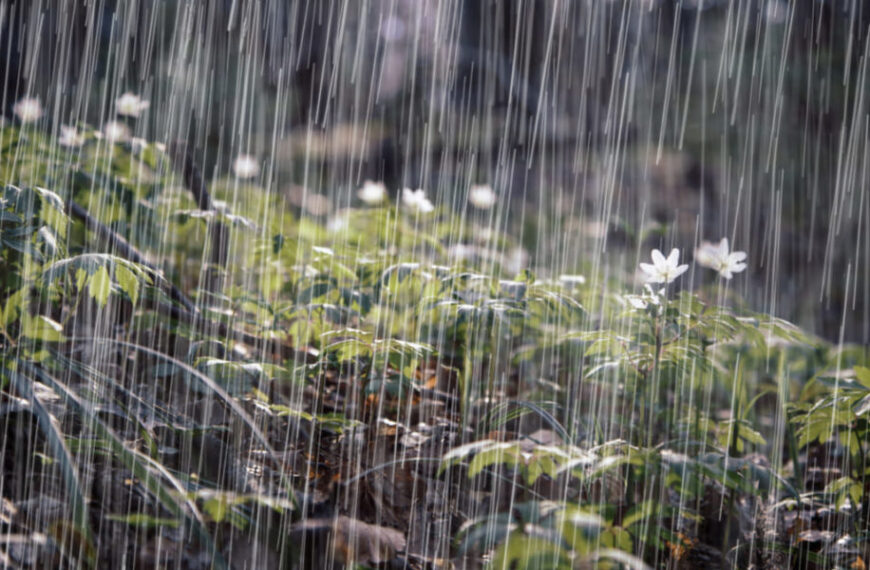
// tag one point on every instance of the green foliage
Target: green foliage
(637, 407)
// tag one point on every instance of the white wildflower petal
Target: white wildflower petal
(572, 280)
(70, 137)
(717, 256)
(663, 270)
(416, 201)
(425, 206)
(246, 166)
(648, 269)
(337, 224)
(115, 132)
(28, 110)
(130, 105)
(482, 196)
(706, 255)
(372, 193)
(411, 197)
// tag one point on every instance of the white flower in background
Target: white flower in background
(482, 196)
(130, 105)
(417, 201)
(571, 281)
(245, 166)
(70, 136)
(337, 224)
(717, 256)
(28, 110)
(649, 297)
(116, 132)
(372, 193)
(663, 270)
(160, 146)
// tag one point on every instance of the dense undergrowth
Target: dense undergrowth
(194, 381)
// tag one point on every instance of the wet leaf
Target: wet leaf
(100, 285)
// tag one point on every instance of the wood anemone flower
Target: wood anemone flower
(417, 201)
(28, 110)
(717, 256)
(662, 269)
(130, 105)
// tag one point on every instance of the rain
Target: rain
(434, 284)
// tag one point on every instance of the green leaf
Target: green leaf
(459, 454)
(99, 285)
(639, 513)
(41, 328)
(750, 434)
(863, 376)
(521, 551)
(14, 306)
(143, 520)
(81, 278)
(217, 508)
(497, 453)
(128, 282)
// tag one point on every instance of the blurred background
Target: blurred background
(606, 127)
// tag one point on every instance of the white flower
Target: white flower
(372, 192)
(649, 297)
(245, 166)
(416, 200)
(571, 281)
(70, 136)
(116, 132)
(663, 270)
(130, 104)
(28, 110)
(482, 196)
(337, 224)
(717, 256)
